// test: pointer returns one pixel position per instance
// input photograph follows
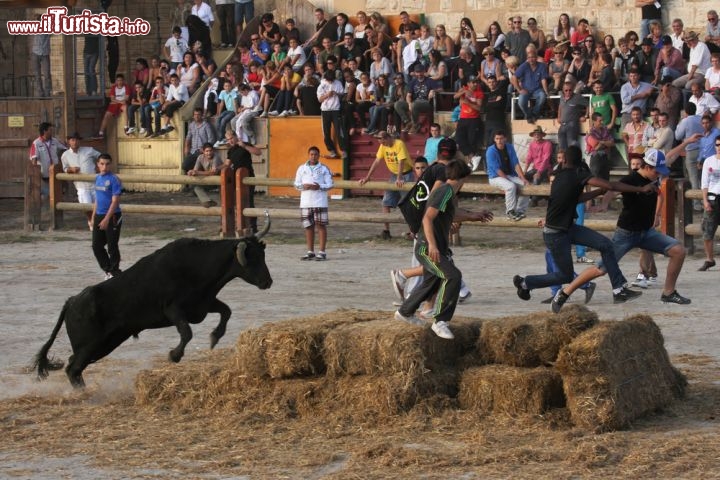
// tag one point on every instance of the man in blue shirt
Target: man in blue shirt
(687, 127)
(531, 81)
(505, 172)
(107, 217)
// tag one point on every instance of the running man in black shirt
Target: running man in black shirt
(560, 231)
(635, 228)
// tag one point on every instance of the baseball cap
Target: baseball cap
(656, 158)
(447, 148)
(666, 40)
(472, 78)
(419, 67)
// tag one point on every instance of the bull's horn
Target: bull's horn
(266, 228)
(240, 253)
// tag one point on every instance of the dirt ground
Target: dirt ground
(56, 432)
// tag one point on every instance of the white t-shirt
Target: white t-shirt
(177, 48)
(712, 77)
(297, 52)
(85, 159)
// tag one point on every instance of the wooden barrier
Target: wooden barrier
(57, 206)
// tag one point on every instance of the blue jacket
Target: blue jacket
(494, 162)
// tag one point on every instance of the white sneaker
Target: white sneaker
(108, 275)
(476, 162)
(652, 281)
(398, 283)
(442, 330)
(273, 113)
(130, 131)
(143, 131)
(284, 113)
(640, 281)
(463, 298)
(411, 320)
(220, 143)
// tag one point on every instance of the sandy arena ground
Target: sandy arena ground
(40, 270)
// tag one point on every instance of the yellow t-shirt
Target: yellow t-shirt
(396, 155)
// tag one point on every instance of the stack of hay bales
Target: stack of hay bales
(364, 365)
(520, 351)
(617, 372)
(345, 362)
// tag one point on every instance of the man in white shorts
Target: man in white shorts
(77, 159)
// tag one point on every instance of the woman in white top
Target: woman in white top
(343, 26)
(437, 69)
(362, 20)
(712, 75)
(380, 65)
(426, 42)
(467, 37)
(189, 72)
(495, 36)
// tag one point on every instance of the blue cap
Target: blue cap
(656, 158)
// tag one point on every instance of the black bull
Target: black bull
(176, 285)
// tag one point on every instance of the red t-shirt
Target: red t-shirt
(577, 38)
(465, 110)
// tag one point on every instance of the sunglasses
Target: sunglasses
(516, 22)
(717, 144)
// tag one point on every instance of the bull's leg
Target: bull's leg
(224, 311)
(185, 332)
(91, 353)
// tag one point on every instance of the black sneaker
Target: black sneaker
(523, 293)
(308, 256)
(590, 291)
(625, 295)
(675, 297)
(559, 300)
(547, 301)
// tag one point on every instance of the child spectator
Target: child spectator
(157, 98)
(137, 102)
(175, 47)
(226, 109)
(119, 96)
(314, 179)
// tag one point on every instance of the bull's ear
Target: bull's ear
(240, 254)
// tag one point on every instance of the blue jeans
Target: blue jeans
(91, 83)
(524, 102)
(244, 12)
(559, 245)
(580, 220)
(551, 267)
(650, 240)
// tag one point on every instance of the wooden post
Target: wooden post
(242, 200)
(56, 196)
(667, 220)
(685, 214)
(227, 220)
(33, 197)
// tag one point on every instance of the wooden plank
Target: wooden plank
(15, 142)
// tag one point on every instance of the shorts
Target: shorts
(312, 216)
(114, 109)
(651, 240)
(391, 198)
(710, 220)
(600, 165)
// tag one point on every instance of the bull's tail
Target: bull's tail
(41, 362)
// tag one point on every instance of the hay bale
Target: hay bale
(389, 347)
(510, 390)
(532, 340)
(294, 347)
(203, 386)
(617, 372)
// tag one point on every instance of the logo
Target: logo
(56, 21)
